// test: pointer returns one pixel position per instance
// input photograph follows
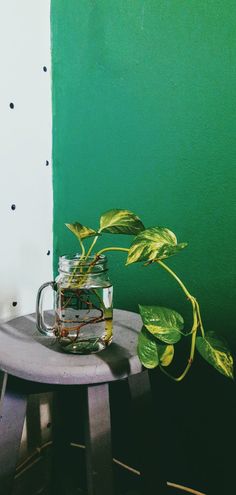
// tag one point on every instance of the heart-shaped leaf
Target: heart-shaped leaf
(120, 222)
(164, 323)
(80, 231)
(216, 352)
(151, 353)
(147, 349)
(154, 243)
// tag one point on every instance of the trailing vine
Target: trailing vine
(163, 327)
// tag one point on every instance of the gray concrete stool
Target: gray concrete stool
(31, 363)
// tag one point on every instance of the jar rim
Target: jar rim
(87, 259)
(68, 262)
(77, 256)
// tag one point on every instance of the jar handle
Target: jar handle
(40, 322)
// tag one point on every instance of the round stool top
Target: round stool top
(27, 354)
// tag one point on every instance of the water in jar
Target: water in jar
(84, 319)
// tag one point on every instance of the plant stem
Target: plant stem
(196, 322)
(187, 293)
(83, 256)
(82, 248)
(92, 245)
(96, 256)
(191, 298)
(199, 319)
(112, 249)
(176, 278)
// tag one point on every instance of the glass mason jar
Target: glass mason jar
(82, 303)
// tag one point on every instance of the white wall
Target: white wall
(25, 179)
(25, 146)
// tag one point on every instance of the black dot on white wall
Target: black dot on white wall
(11, 105)
(48, 252)
(47, 163)
(13, 207)
(45, 68)
(14, 303)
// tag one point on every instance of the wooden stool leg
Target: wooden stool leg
(62, 422)
(98, 441)
(149, 451)
(12, 415)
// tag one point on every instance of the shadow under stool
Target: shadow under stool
(33, 363)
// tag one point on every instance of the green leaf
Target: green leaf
(154, 243)
(120, 222)
(151, 353)
(165, 353)
(216, 352)
(80, 231)
(147, 349)
(164, 323)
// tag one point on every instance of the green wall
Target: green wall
(144, 103)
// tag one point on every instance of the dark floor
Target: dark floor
(193, 430)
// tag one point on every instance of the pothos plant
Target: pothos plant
(162, 327)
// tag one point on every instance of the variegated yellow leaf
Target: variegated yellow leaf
(80, 231)
(147, 349)
(166, 354)
(154, 243)
(151, 352)
(216, 352)
(120, 222)
(164, 323)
